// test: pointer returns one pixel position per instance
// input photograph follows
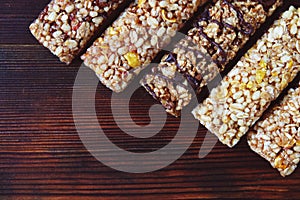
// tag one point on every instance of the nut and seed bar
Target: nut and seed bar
(277, 136)
(65, 26)
(218, 34)
(135, 38)
(257, 79)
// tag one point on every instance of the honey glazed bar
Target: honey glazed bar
(257, 79)
(135, 38)
(66, 26)
(277, 136)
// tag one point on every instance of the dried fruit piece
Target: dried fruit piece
(290, 64)
(243, 86)
(132, 59)
(250, 85)
(278, 163)
(260, 75)
(112, 31)
(141, 2)
(263, 64)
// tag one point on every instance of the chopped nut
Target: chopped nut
(58, 51)
(71, 44)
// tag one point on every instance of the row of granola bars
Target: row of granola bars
(147, 26)
(216, 37)
(249, 88)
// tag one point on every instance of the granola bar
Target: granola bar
(257, 79)
(218, 34)
(277, 137)
(135, 38)
(65, 26)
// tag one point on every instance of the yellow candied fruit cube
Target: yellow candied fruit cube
(290, 64)
(243, 86)
(263, 64)
(275, 74)
(141, 2)
(112, 31)
(164, 16)
(250, 85)
(260, 75)
(132, 59)
(283, 83)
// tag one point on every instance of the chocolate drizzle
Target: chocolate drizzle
(166, 102)
(151, 92)
(206, 17)
(246, 29)
(194, 81)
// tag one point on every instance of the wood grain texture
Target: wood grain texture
(42, 156)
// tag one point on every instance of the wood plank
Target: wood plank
(42, 156)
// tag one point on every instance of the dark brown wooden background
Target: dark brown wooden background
(42, 157)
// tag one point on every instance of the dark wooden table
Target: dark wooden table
(42, 156)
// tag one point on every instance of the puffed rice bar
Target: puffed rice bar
(277, 137)
(135, 38)
(65, 26)
(257, 79)
(216, 37)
